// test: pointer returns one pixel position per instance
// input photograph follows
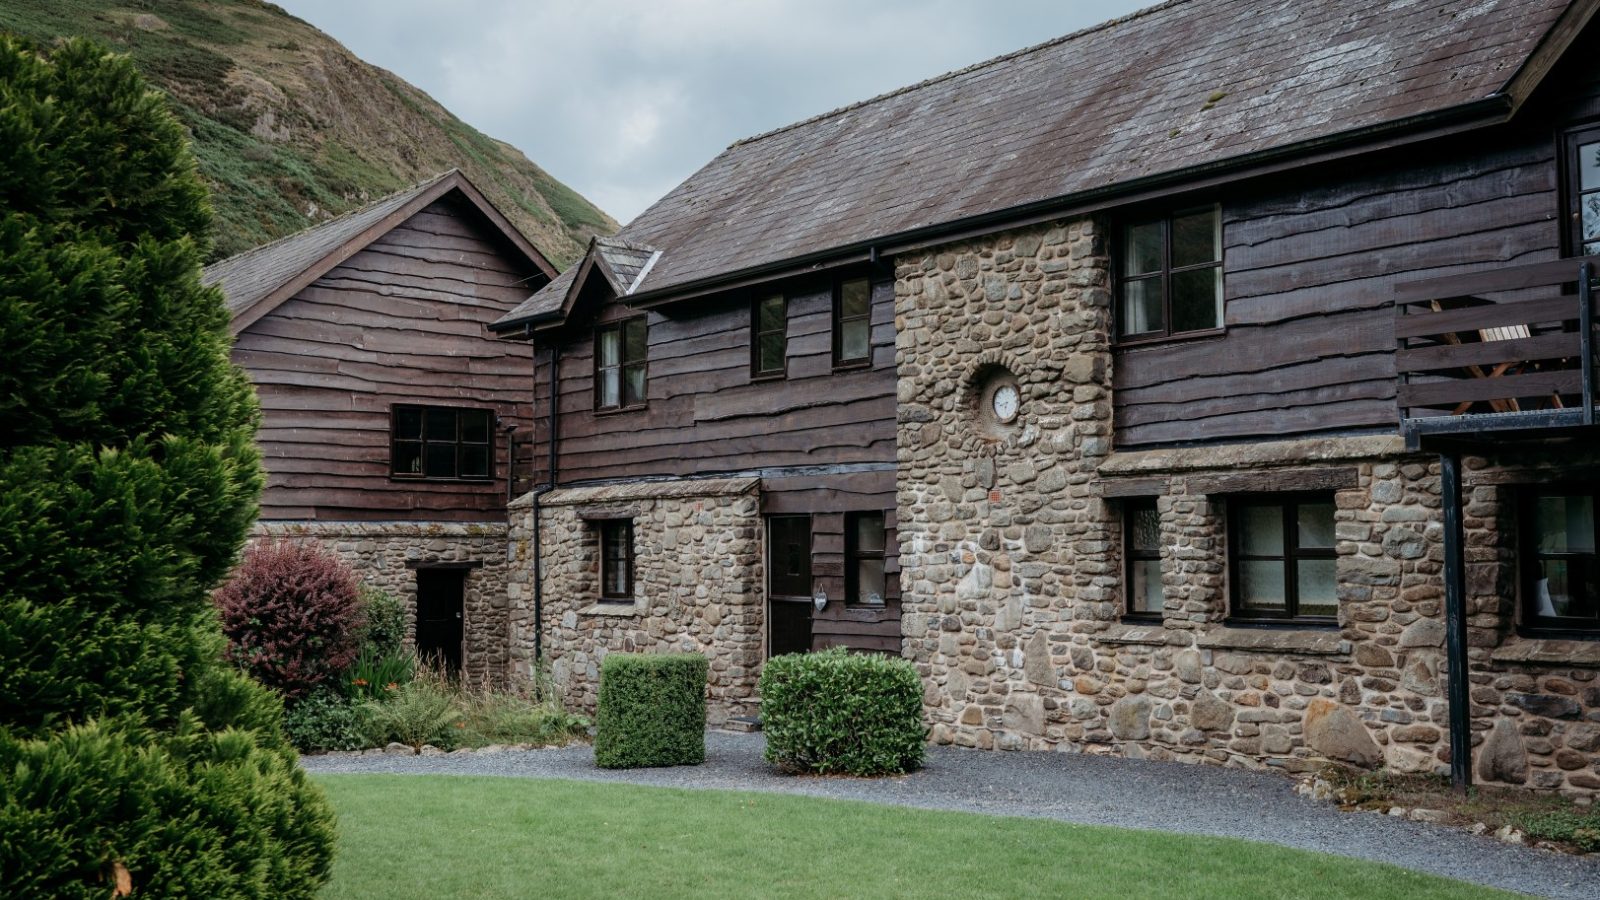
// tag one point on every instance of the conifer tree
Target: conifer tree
(130, 755)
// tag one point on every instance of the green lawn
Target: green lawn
(439, 837)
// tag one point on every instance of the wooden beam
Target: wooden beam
(1119, 488)
(1492, 280)
(1333, 478)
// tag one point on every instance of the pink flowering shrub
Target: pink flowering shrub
(293, 615)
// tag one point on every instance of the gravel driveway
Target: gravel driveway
(1071, 788)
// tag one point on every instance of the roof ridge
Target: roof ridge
(426, 182)
(955, 73)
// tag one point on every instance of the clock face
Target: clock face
(1005, 402)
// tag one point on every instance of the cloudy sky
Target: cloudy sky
(623, 99)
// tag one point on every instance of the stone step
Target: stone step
(743, 723)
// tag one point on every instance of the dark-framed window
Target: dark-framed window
(616, 560)
(620, 351)
(1282, 559)
(1169, 275)
(769, 336)
(1561, 572)
(440, 442)
(1145, 598)
(864, 540)
(1582, 169)
(852, 322)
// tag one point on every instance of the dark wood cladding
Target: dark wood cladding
(402, 321)
(705, 413)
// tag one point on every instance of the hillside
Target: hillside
(291, 128)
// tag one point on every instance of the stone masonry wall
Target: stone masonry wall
(386, 556)
(1011, 568)
(697, 585)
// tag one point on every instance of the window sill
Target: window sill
(1301, 640)
(614, 608)
(853, 366)
(621, 410)
(1146, 632)
(1577, 653)
(1156, 339)
(441, 479)
(758, 377)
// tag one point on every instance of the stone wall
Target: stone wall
(386, 555)
(697, 585)
(1011, 568)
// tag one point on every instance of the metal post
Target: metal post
(1586, 339)
(1455, 620)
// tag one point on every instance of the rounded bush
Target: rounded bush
(842, 713)
(293, 615)
(385, 630)
(652, 710)
(324, 720)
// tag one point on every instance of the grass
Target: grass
(440, 837)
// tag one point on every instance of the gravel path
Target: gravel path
(1070, 788)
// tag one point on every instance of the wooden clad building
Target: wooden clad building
(390, 411)
(1215, 383)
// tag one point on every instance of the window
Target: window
(1583, 191)
(1561, 588)
(616, 560)
(864, 546)
(1170, 275)
(852, 322)
(1283, 559)
(440, 442)
(619, 365)
(1141, 545)
(769, 323)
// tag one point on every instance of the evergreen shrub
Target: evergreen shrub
(652, 711)
(837, 712)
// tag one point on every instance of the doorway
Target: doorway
(440, 620)
(788, 585)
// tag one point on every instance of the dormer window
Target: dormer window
(619, 365)
(1169, 275)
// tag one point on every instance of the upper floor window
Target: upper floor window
(1141, 545)
(1169, 275)
(1283, 556)
(1583, 191)
(616, 560)
(865, 539)
(440, 442)
(619, 364)
(1561, 572)
(769, 324)
(852, 322)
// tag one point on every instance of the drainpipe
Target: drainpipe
(538, 494)
(1455, 620)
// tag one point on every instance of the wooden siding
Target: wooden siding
(403, 321)
(1311, 261)
(706, 414)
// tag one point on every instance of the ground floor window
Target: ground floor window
(864, 558)
(1282, 554)
(1141, 546)
(1561, 572)
(616, 560)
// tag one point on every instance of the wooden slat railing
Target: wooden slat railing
(1460, 354)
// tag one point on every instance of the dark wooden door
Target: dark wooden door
(440, 625)
(788, 585)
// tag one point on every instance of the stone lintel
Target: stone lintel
(1257, 454)
(1330, 478)
(1275, 640)
(1544, 651)
(625, 492)
(606, 513)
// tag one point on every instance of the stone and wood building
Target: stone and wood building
(1215, 384)
(390, 411)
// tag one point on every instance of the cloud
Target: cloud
(623, 99)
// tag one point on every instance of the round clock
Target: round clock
(1005, 402)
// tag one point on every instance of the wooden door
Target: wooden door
(788, 585)
(440, 623)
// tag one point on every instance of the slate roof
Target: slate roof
(1172, 89)
(622, 264)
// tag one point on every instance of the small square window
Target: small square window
(616, 560)
(1561, 569)
(440, 442)
(1170, 275)
(1283, 559)
(1145, 597)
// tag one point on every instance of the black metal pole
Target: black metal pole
(1455, 620)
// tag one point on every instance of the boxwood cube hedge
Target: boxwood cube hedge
(652, 711)
(837, 712)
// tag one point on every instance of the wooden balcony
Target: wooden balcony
(1499, 353)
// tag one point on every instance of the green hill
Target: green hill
(291, 128)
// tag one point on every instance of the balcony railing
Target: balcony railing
(1508, 350)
